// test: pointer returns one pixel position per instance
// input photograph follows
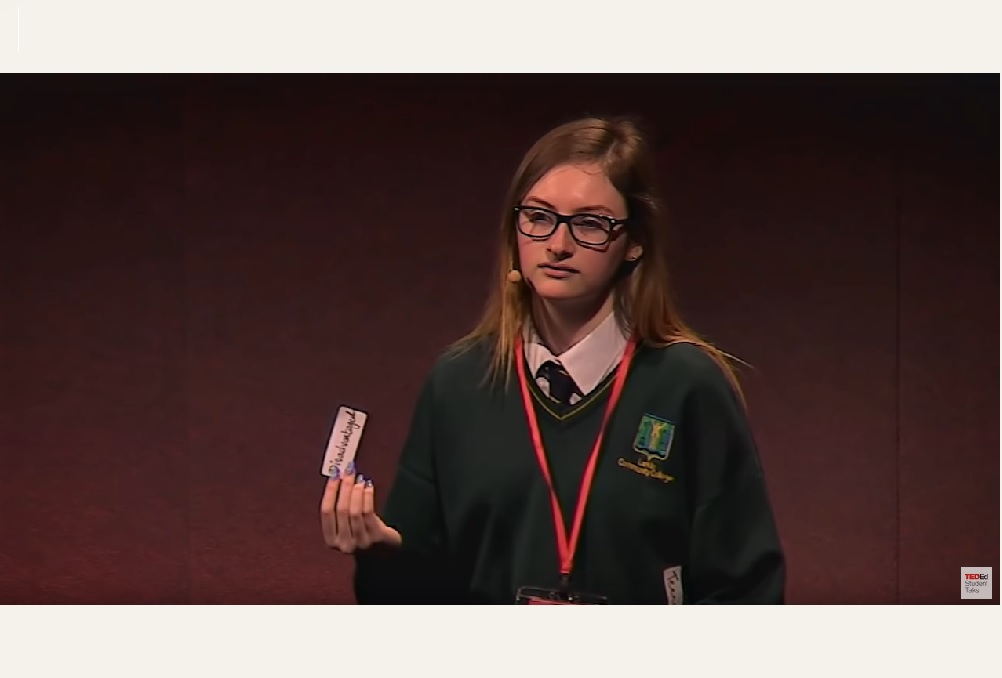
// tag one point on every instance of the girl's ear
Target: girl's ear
(634, 252)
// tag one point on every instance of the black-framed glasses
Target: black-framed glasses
(540, 223)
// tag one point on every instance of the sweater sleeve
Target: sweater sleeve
(418, 572)
(735, 555)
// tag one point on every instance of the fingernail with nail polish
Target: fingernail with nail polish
(368, 482)
(336, 474)
(360, 478)
(350, 470)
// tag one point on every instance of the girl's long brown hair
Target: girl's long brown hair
(643, 299)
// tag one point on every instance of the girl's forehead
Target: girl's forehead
(572, 187)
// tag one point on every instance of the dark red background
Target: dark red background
(198, 270)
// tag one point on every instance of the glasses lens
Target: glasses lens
(591, 230)
(536, 223)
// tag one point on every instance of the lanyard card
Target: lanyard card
(532, 595)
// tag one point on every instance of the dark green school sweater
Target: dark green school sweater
(678, 484)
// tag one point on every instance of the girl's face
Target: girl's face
(577, 261)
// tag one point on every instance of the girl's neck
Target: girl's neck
(561, 325)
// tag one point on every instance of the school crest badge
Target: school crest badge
(654, 437)
(653, 443)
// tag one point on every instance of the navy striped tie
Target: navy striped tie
(562, 387)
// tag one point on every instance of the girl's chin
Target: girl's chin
(563, 291)
(556, 290)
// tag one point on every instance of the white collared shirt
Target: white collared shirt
(588, 362)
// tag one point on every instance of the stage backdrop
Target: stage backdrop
(198, 270)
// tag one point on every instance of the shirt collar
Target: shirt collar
(589, 361)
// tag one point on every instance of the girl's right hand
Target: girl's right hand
(348, 517)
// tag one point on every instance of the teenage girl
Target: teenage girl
(581, 444)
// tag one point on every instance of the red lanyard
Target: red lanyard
(566, 547)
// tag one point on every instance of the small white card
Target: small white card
(673, 585)
(343, 443)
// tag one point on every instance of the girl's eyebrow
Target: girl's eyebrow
(589, 208)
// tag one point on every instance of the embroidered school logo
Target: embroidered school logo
(654, 437)
(653, 443)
